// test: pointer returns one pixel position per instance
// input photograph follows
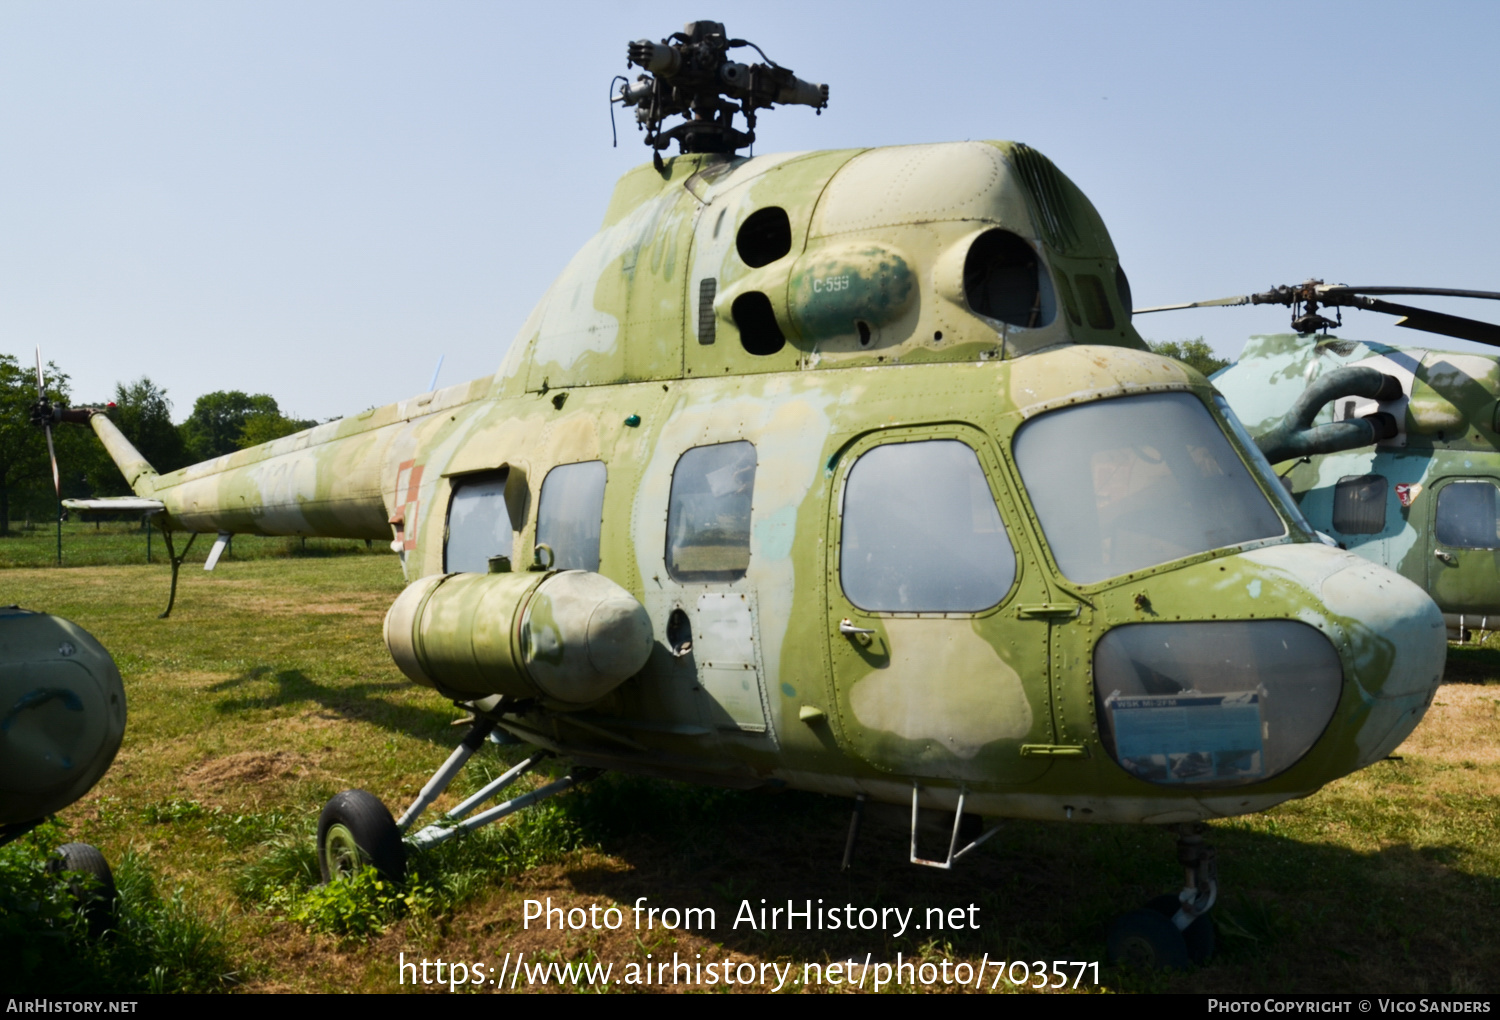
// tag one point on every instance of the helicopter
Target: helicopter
(1389, 450)
(844, 471)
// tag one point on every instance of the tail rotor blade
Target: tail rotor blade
(41, 395)
(52, 452)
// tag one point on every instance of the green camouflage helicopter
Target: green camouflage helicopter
(846, 472)
(1391, 451)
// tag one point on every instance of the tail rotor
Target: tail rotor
(43, 415)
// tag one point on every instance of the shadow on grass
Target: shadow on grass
(1472, 664)
(363, 702)
(1292, 917)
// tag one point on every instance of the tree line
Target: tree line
(221, 422)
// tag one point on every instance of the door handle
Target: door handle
(1447, 558)
(1048, 610)
(846, 627)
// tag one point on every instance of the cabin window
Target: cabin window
(1004, 279)
(1095, 302)
(1466, 517)
(921, 532)
(708, 517)
(1359, 505)
(764, 237)
(479, 523)
(1125, 484)
(571, 514)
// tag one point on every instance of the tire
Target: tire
(93, 884)
(355, 830)
(1199, 935)
(1145, 940)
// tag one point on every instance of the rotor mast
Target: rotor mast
(690, 75)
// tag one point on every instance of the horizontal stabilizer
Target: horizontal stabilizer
(121, 504)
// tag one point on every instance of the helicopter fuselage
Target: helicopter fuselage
(869, 438)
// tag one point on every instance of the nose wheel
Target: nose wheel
(1171, 932)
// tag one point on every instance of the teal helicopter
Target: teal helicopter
(1391, 451)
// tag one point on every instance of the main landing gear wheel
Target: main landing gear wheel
(354, 830)
(1147, 940)
(1199, 936)
(96, 898)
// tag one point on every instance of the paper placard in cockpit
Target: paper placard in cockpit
(1189, 738)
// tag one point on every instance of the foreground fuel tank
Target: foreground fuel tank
(62, 714)
(568, 638)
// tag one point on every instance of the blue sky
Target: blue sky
(316, 200)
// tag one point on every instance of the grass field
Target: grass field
(270, 689)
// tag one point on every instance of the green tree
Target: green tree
(143, 414)
(262, 428)
(1193, 353)
(218, 421)
(25, 471)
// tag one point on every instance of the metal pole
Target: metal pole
(59, 532)
(148, 538)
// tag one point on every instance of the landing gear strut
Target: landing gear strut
(1172, 932)
(356, 829)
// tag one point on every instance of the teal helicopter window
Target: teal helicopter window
(921, 533)
(1466, 516)
(570, 516)
(1359, 505)
(1125, 484)
(708, 516)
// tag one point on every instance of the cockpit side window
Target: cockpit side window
(708, 516)
(570, 516)
(1466, 516)
(479, 523)
(1125, 484)
(921, 532)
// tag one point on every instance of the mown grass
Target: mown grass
(121, 542)
(269, 690)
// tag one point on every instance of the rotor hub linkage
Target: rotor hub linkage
(690, 75)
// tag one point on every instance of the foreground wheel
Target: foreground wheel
(1199, 935)
(354, 830)
(93, 885)
(1146, 940)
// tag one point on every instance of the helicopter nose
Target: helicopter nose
(1390, 634)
